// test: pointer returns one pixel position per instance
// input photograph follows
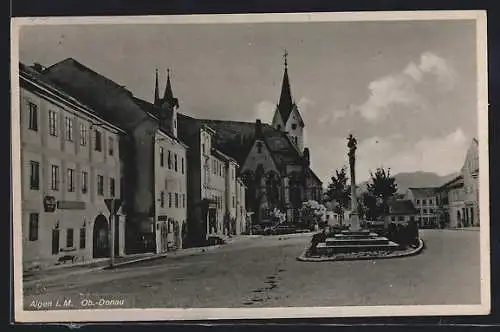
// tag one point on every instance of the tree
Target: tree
(312, 212)
(339, 192)
(381, 189)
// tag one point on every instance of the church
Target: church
(275, 164)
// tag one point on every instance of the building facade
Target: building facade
(470, 174)
(426, 201)
(70, 164)
(402, 212)
(150, 129)
(451, 203)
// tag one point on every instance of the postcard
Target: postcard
(211, 167)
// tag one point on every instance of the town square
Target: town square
(250, 165)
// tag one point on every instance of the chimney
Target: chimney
(258, 128)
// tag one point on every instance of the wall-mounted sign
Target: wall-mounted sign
(71, 205)
(49, 204)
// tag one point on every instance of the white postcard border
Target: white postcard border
(166, 314)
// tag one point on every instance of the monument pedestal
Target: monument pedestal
(355, 225)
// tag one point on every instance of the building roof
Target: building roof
(36, 76)
(423, 192)
(110, 100)
(401, 207)
(456, 182)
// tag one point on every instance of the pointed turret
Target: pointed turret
(285, 103)
(168, 96)
(157, 91)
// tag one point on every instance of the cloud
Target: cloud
(264, 111)
(441, 154)
(408, 88)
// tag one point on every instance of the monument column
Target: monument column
(354, 218)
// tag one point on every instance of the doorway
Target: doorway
(101, 237)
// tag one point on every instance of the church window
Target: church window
(294, 126)
(259, 147)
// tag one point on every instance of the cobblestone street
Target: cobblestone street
(264, 272)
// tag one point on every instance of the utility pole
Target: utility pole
(113, 205)
(112, 219)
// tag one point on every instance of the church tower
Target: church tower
(168, 106)
(287, 117)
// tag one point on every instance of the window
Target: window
(393, 218)
(100, 185)
(431, 210)
(203, 147)
(33, 116)
(169, 159)
(162, 157)
(401, 218)
(85, 181)
(176, 200)
(83, 134)
(98, 140)
(424, 202)
(71, 180)
(418, 201)
(175, 162)
(294, 126)
(34, 175)
(54, 177)
(430, 202)
(182, 165)
(234, 202)
(83, 237)
(169, 200)
(259, 147)
(279, 127)
(112, 187)
(69, 238)
(33, 227)
(425, 211)
(162, 199)
(69, 129)
(111, 146)
(52, 123)
(183, 200)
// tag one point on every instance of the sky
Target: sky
(405, 89)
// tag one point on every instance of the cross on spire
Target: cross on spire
(285, 56)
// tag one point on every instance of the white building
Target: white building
(70, 164)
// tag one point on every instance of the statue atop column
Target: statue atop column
(354, 219)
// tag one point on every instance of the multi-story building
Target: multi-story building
(451, 203)
(470, 174)
(402, 211)
(70, 164)
(147, 169)
(426, 202)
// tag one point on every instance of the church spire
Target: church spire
(157, 91)
(285, 103)
(168, 96)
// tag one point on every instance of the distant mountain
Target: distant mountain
(416, 179)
